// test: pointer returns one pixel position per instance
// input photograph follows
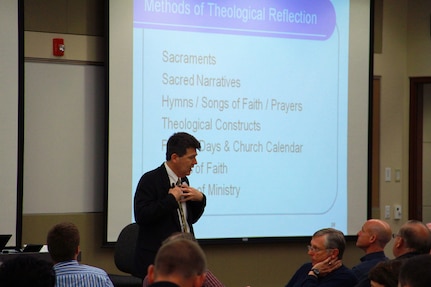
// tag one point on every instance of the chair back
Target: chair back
(124, 252)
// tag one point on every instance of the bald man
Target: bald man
(413, 238)
(372, 238)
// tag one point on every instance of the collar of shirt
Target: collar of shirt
(172, 176)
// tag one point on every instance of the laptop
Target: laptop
(4, 238)
(32, 248)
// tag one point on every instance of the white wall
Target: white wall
(419, 64)
(406, 53)
(64, 138)
(391, 65)
(8, 117)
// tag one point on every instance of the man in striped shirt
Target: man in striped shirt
(63, 246)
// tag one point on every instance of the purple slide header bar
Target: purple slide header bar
(301, 19)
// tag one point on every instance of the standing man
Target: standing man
(372, 238)
(164, 202)
(325, 269)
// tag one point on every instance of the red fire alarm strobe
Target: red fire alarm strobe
(58, 47)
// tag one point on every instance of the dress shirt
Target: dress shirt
(211, 281)
(174, 179)
(72, 274)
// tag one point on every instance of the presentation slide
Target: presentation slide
(264, 86)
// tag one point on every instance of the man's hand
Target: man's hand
(327, 266)
(177, 192)
(185, 193)
(190, 193)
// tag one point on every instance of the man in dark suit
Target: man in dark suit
(164, 202)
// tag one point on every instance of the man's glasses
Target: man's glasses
(394, 235)
(315, 249)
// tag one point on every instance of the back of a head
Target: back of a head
(415, 272)
(63, 241)
(178, 235)
(24, 271)
(386, 273)
(381, 230)
(416, 235)
(181, 257)
(334, 239)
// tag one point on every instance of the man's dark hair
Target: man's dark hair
(334, 239)
(179, 143)
(24, 271)
(419, 239)
(386, 273)
(415, 272)
(63, 241)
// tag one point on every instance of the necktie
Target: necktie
(180, 207)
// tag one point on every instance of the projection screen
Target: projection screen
(277, 93)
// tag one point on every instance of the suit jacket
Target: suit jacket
(157, 216)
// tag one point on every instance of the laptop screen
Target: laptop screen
(4, 238)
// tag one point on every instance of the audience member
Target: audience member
(429, 227)
(210, 279)
(385, 274)
(416, 272)
(24, 271)
(412, 239)
(63, 246)
(325, 269)
(179, 263)
(372, 238)
(165, 202)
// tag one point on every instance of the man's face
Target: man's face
(185, 163)
(318, 252)
(364, 235)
